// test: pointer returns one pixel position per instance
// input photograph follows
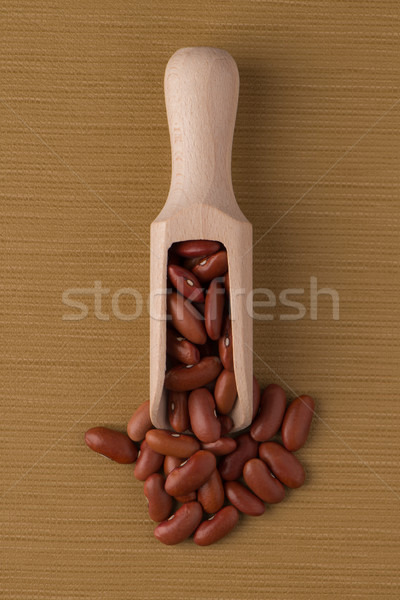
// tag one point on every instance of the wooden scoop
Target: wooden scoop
(201, 94)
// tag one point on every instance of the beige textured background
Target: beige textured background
(84, 169)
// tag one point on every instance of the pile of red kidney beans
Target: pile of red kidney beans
(197, 477)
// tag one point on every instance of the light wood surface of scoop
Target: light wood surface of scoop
(201, 93)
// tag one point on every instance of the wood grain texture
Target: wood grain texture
(84, 168)
(201, 93)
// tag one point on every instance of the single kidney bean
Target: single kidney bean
(183, 378)
(211, 266)
(203, 418)
(181, 525)
(181, 349)
(224, 445)
(284, 465)
(225, 346)
(148, 462)
(186, 319)
(243, 499)
(216, 527)
(226, 424)
(211, 494)
(112, 444)
(140, 422)
(178, 413)
(256, 397)
(225, 392)
(214, 308)
(297, 422)
(186, 283)
(174, 444)
(270, 416)
(231, 466)
(196, 248)
(160, 503)
(191, 474)
(262, 482)
(170, 463)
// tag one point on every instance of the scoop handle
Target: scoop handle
(201, 94)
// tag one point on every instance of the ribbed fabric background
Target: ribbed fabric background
(84, 169)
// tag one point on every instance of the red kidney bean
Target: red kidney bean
(181, 349)
(256, 397)
(186, 319)
(216, 527)
(196, 248)
(243, 499)
(183, 378)
(270, 416)
(178, 413)
(170, 463)
(112, 444)
(203, 418)
(148, 462)
(297, 422)
(174, 444)
(225, 445)
(181, 525)
(284, 465)
(160, 503)
(226, 424)
(140, 422)
(262, 482)
(225, 392)
(211, 494)
(214, 308)
(225, 346)
(231, 466)
(186, 283)
(189, 263)
(211, 266)
(191, 474)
